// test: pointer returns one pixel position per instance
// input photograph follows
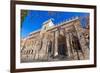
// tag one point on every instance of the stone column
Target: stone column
(68, 45)
(53, 44)
(56, 43)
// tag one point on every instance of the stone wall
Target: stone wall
(45, 47)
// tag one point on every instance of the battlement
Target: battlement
(56, 25)
(68, 20)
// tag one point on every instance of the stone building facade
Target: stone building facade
(65, 41)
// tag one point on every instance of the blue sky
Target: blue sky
(34, 19)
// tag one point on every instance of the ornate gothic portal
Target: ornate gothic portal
(53, 43)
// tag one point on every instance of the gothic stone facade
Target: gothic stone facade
(65, 41)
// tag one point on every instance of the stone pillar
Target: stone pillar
(68, 44)
(56, 43)
(53, 44)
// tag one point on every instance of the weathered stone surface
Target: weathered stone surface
(44, 45)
